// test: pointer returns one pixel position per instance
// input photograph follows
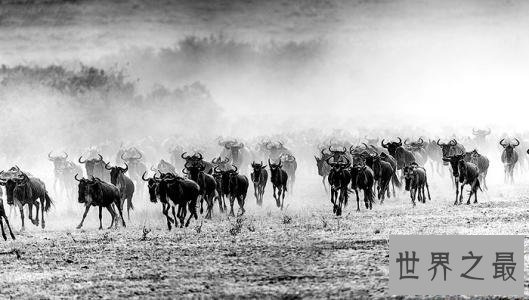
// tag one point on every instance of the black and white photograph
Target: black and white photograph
(280, 149)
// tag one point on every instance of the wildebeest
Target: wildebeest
(384, 173)
(509, 158)
(290, 165)
(275, 150)
(206, 182)
(154, 196)
(259, 178)
(136, 168)
(480, 135)
(339, 178)
(197, 158)
(239, 155)
(183, 192)
(238, 189)
(63, 171)
(401, 155)
(24, 189)
(165, 167)
(279, 179)
(362, 178)
(95, 192)
(435, 156)
(222, 163)
(418, 150)
(415, 182)
(3, 216)
(124, 185)
(95, 167)
(482, 162)
(468, 174)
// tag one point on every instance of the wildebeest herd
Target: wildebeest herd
(188, 184)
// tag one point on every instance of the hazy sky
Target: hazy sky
(447, 61)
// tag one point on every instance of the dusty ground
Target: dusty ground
(296, 253)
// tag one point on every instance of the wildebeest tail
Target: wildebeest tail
(48, 202)
(396, 180)
(129, 204)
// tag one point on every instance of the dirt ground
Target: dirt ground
(301, 252)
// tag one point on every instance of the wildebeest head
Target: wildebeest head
(446, 149)
(234, 147)
(222, 163)
(481, 133)
(415, 145)
(83, 189)
(152, 186)
(116, 172)
(193, 169)
(90, 164)
(257, 168)
(132, 156)
(454, 161)
(409, 173)
(392, 146)
(59, 162)
(224, 176)
(509, 147)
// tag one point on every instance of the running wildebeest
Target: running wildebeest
(183, 192)
(401, 155)
(238, 189)
(206, 182)
(339, 178)
(63, 171)
(290, 165)
(259, 178)
(279, 179)
(482, 162)
(124, 185)
(384, 173)
(154, 196)
(3, 216)
(95, 192)
(416, 180)
(468, 174)
(362, 178)
(22, 190)
(509, 158)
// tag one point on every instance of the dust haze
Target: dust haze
(82, 73)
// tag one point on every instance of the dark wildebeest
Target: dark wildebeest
(23, 190)
(509, 158)
(198, 159)
(206, 182)
(416, 180)
(339, 178)
(279, 179)
(482, 162)
(95, 192)
(183, 192)
(465, 173)
(238, 189)
(136, 169)
(452, 148)
(362, 178)
(222, 187)
(402, 156)
(64, 170)
(222, 163)
(3, 215)
(259, 178)
(384, 173)
(124, 185)
(95, 167)
(290, 166)
(154, 195)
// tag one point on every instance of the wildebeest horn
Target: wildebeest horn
(141, 155)
(236, 169)
(106, 166)
(217, 170)
(121, 156)
(100, 157)
(184, 171)
(501, 142)
(365, 145)
(152, 169)
(400, 140)
(517, 142)
(269, 163)
(382, 144)
(184, 156)
(215, 160)
(406, 142)
(421, 141)
(49, 155)
(126, 168)
(199, 154)
(143, 176)
(438, 142)
(75, 177)
(80, 161)
(453, 142)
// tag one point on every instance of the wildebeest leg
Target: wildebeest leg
(192, 210)
(232, 200)
(165, 212)
(461, 193)
(457, 189)
(42, 223)
(36, 220)
(3, 215)
(357, 200)
(120, 211)
(84, 216)
(112, 215)
(100, 217)
(209, 203)
(283, 198)
(173, 219)
(240, 201)
(256, 192)
(3, 232)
